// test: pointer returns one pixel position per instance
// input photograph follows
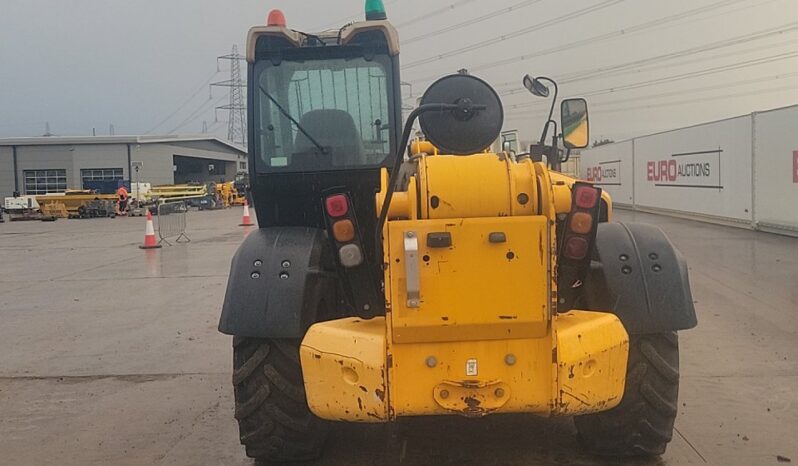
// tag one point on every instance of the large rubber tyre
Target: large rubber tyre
(642, 424)
(274, 421)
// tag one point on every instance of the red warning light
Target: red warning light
(586, 196)
(276, 18)
(337, 205)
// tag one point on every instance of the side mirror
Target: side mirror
(536, 87)
(574, 123)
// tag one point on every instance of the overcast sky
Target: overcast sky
(83, 64)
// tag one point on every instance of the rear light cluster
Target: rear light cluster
(578, 236)
(580, 227)
(342, 224)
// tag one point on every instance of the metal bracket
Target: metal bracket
(411, 270)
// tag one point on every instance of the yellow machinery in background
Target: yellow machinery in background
(73, 200)
(229, 195)
(177, 192)
(54, 210)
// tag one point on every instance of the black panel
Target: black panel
(281, 281)
(639, 276)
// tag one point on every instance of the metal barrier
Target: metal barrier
(172, 222)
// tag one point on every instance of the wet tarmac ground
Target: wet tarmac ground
(110, 355)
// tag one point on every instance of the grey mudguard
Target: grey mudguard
(279, 279)
(639, 276)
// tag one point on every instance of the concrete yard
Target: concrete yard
(110, 355)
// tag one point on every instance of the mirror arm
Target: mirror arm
(567, 154)
(551, 110)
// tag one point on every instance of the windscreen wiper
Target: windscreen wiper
(288, 115)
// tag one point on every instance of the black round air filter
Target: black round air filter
(461, 132)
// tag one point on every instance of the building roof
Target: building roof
(78, 140)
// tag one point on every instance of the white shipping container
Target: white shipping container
(611, 167)
(703, 170)
(742, 171)
(776, 169)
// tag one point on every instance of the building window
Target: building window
(100, 174)
(44, 181)
(242, 165)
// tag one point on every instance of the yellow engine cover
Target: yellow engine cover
(490, 282)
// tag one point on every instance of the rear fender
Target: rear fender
(639, 276)
(279, 280)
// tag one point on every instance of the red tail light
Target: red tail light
(336, 205)
(576, 248)
(586, 196)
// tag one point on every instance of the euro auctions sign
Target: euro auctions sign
(605, 173)
(687, 170)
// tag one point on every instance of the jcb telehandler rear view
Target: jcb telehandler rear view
(391, 278)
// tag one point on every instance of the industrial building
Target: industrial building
(43, 165)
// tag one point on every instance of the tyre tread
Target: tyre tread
(642, 424)
(275, 423)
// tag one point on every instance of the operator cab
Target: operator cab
(325, 116)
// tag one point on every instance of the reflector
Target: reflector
(337, 205)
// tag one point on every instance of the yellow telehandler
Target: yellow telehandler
(389, 279)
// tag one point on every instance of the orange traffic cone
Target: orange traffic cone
(149, 234)
(246, 221)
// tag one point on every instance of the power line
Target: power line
(206, 105)
(702, 89)
(471, 22)
(568, 77)
(706, 99)
(627, 67)
(183, 105)
(760, 80)
(605, 71)
(423, 17)
(682, 76)
(514, 34)
(346, 19)
(431, 14)
(595, 39)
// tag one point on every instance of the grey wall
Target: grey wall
(158, 158)
(98, 156)
(71, 158)
(6, 173)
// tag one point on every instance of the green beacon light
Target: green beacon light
(375, 10)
